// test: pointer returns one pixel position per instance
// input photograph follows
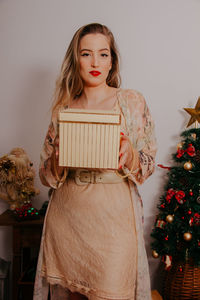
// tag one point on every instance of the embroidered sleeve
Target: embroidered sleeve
(49, 150)
(141, 130)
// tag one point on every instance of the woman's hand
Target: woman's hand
(57, 170)
(127, 156)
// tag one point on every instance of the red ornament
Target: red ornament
(191, 150)
(199, 243)
(170, 194)
(167, 238)
(180, 195)
(191, 193)
(162, 206)
(196, 219)
(189, 212)
(180, 153)
(181, 269)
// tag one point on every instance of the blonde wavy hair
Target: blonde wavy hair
(69, 84)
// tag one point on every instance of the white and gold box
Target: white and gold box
(89, 138)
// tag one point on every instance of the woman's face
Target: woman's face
(95, 59)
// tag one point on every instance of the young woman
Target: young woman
(92, 244)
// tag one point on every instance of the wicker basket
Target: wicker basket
(182, 282)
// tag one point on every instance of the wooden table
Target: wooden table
(26, 235)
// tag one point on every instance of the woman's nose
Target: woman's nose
(95, 61)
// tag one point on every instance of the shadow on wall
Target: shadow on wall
(34, 100)
(32, 115)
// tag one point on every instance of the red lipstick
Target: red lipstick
(95, 73)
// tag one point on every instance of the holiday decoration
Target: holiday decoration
(194, 112)
(17, 181)
(198, 199)
(155, 254)
(176, 231)
(160, 223)
(187, 166)
(169, 218)
(182, 281)
(168, 261)
(26, 212)
(187, 236)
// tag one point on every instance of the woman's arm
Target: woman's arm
(50, 173)
(141, 133)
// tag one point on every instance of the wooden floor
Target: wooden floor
(155, 295)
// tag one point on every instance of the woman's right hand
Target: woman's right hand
(57, 170)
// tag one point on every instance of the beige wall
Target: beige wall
(160, 49)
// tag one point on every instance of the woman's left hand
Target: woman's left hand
(125, 152)
(127, 156)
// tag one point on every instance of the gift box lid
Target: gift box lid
(90, 116)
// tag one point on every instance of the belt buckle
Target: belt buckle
(91, 175)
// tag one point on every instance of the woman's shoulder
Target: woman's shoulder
(132, 95)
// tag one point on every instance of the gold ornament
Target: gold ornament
(169, 218)
(187, 236)
(187, 166)
(155, 254)
(194, 136)
(179, 146)
(194, 112)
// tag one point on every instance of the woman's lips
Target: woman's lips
(95, 73)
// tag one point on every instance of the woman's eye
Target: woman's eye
(85, 54)
(104, 55)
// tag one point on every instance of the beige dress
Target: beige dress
(89, 242)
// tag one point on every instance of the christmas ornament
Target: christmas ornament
(155, 254)
(180, 153)
(167, 238)
(179, 145)
(194, 136)
(191, 193)
(191, 221)
(180, 195)
(197, 219)
(167, 259)
(160, 223)
(187, 236)
(169, 218)
(190, 150)
(187, 166)
(26, 212)
(170, 194)
(198, 200)
(194, 113)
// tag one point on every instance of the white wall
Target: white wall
(160, 48)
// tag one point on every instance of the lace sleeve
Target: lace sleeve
(140, 126)
(50, 149)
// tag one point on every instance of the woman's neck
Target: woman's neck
(93, 97)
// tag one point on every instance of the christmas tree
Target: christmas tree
(176, 233)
